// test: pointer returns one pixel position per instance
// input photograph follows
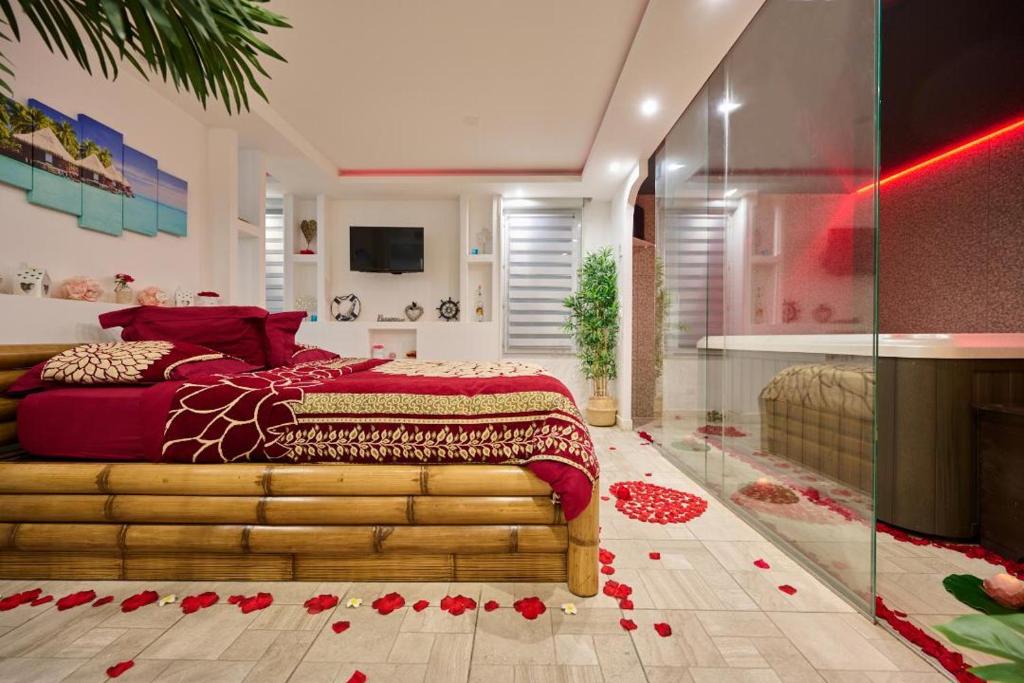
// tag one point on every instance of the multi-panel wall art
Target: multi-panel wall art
(83, 167)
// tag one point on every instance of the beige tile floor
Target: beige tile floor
(730, 621)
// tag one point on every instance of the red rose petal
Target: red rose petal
(664, 630)
(608, 570)
(357, 677)
(252, 603)
(139, 600)
(41, 601)
(340, 626)
(627, 624)
(646, 437)
(491, 605)
(421, 605)
(648, 474)
(194, 603)
(787, 589)
(761, 564)
(105, 600)
(654, 555)
(605, 556)
(76, 599)
(530, 608)
(625, 603)
(386, 604)
(18, 599)
(612, 448)
(457, 605)
(605, 498)
(320, 603)
(119, 668)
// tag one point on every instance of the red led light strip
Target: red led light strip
(932, 160)
(450, 172)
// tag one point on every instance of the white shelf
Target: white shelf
(480, 258)
(303, 258)
(249, 229)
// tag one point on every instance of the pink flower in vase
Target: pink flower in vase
(82, 288)
(152, 296)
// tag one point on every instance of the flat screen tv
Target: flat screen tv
(385, 250)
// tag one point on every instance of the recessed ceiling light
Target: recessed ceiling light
(730, 192)
(728, 106)
(649, 107)
(614, 167)
(675, 166)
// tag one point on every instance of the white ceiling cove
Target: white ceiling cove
(535, 96)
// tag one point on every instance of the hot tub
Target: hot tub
(926, 385)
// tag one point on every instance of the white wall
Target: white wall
(52, 239)
(384, 293)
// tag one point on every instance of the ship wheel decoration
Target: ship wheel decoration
(345, 307)
(448, 310)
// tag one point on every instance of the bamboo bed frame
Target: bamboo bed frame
(247, 521)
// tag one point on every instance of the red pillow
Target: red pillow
(29, 382)
(280, 329)
(233, 330)
(134, 362)
(306, 354)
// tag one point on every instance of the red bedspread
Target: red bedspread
(378, 411)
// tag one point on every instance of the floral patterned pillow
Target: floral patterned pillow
(133, 362)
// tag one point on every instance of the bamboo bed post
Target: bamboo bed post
(581, 562)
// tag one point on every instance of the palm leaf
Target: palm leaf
(210, 48)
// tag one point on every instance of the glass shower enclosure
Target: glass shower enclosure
(767, 234)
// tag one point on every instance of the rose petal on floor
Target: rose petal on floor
(627, 624)
(119, 668)
(340, 626)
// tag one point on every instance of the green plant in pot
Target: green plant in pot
(593, 324)
(999, 635)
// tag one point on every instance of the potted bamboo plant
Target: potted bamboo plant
(593, 323)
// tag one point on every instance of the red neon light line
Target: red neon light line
(446, 172)
(930, 161)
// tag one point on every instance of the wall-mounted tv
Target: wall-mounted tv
(385, 250)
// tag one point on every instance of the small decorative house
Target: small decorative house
(32, 281)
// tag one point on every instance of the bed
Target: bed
(338, 470)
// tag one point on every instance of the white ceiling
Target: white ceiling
(523, 85)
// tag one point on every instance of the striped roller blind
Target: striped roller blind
(542, 253)
(274, 268)
(692, 252)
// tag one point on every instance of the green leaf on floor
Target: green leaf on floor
(967, 589)
(1002, 636)
(1004, 673)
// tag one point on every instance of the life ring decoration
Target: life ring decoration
(345, 307)
(448, 310)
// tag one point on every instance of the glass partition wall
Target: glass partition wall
(766, 233)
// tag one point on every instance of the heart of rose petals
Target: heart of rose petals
(530, 608)
(457, 605)
(76, 599)
(656, 504)
(627, 624)
(357, 677)
(569, 608)
(166, 600)
(23, 598)
(320, 603)
(252, 603)
(139, 600)
(340, 626)
(654, 555)
(664, 630)
(194, 603)
(625, 603)
(761, 564)
(607, 570)
(41, 601)
(105, 600)
(491, 605)
(386, 604)
(119, 668)
(605, 556)
(421, 605)
(787, 589)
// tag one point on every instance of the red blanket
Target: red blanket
(399, 412)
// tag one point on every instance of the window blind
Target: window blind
(541, 255)
(693, 250)
(273, 276)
